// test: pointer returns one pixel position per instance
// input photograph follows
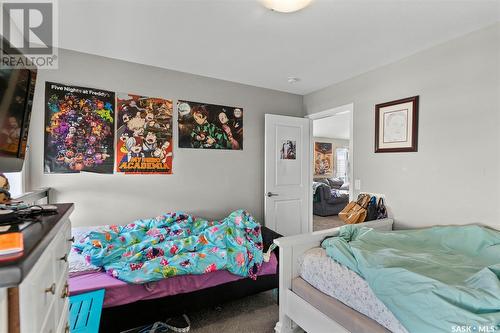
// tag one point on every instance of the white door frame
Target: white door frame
(324, 114)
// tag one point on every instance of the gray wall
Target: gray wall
(454, 176)
(206, 183)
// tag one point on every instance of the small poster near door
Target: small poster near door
(288, 150)
(323, 159)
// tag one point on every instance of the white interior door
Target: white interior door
(288, 192)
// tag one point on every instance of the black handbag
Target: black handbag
(381, 210)
(371, 210)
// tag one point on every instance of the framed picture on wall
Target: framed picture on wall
(396, 126)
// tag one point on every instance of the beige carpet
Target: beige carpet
(327, 222)
(253, 314)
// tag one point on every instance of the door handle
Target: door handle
(270, 194)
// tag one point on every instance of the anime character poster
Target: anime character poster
(323, 159)
(144, 134)
(79, 129)
(209, 126)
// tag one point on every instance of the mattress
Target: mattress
(348, 318)
(119, 292)
(337, 281)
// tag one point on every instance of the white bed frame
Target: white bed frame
(295, 312)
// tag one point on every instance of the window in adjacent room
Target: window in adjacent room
(342, 161)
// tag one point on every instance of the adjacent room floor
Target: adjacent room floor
(326, 222)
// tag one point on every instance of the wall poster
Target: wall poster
(323, 159)
(208, 126)
(79, 129)
(144, 135)
(288, 150)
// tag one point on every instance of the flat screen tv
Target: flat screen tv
(17, 87)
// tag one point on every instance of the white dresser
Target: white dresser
(37, 299)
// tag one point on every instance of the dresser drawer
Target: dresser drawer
(61, 247)
(49, 326)
(66, 235)
(41, 293)
(62, 294)
(37, 293)
(63, 319)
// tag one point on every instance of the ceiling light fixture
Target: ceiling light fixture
(293, 79)
(286, 6)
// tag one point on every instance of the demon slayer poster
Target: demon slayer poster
(79, 129)
(144, 134)
(210, 126)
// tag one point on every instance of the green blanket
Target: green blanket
(439, 279)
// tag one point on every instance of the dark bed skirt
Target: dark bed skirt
(127, 316)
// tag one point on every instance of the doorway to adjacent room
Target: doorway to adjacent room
(332, 147)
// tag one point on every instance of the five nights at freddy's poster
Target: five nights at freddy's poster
(79, 129)
(208, 126)
(144, 135)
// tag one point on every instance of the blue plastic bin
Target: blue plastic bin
(85, 312)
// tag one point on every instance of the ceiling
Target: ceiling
(241, 41)
(333, 127)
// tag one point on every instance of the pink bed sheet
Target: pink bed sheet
(119, 292)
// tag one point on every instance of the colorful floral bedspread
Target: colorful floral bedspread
(176, 244)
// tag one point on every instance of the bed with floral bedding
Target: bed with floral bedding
(173, 264)
(176, 244)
